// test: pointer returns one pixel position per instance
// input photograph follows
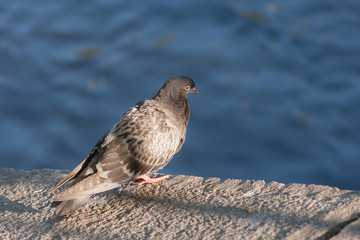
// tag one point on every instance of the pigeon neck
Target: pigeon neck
(171, 98)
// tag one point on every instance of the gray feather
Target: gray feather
(70, 206)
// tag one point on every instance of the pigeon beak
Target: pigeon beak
(195, 91)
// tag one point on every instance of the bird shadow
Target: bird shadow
(193, 206)
(13, 206)
(118, 199)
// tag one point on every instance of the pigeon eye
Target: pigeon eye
(187, 88)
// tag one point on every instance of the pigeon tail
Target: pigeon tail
(70, 206)
(87, 187)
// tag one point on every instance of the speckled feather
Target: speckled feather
(144, 140)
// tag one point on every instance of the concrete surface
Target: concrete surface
(182, 207)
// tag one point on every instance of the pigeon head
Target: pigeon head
(177, 88)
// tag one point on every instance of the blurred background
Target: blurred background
(279, 83)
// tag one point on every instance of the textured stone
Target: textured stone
(181, 207)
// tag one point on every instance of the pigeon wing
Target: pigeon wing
(83, 165)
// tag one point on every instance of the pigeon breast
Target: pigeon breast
(143, 141)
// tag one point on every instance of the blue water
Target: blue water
(279, 83)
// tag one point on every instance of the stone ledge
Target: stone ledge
(183, 207)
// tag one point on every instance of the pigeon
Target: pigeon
(145, 139)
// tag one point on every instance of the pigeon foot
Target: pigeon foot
(147, 179)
